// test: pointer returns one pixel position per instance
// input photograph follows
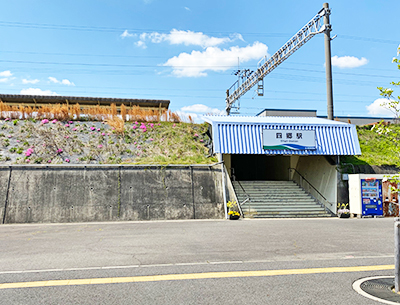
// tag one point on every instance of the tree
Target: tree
(392, 102)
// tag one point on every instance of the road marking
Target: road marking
(191, 276)
(348, 257)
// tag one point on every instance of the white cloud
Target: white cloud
(379, 107)
(188, 9)
(348, 62)
(6, 76)
(196, 111)
(61, 82)
(30, 81)
(200, 108)
(6, 73)
(127, 34)
(141, 44)
(37, 91)
(197, 63)
(188, 38)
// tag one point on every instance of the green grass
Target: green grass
(376, 149)
(158, 143)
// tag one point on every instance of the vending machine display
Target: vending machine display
(371, 195)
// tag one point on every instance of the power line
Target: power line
(137, 30)
(48, 26)
(378, 40)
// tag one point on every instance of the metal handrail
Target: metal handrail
(313, 187)
(230, 181)
(247, 195)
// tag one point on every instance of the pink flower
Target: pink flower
(75, 129)
(103, 134)
(67, 137)
(151, 139)
(49, 161)
(17, 141)
(136, 123)
(53, 122)
(100, 146)
(201, 140)
(45, 121)
(9, 136)
(67, 160)
(70, 122)
(98, 129)
(151, 125)
(138, 146)
(29, 152)
(134, 126)
(59, 151)
(159, 124)
(27, 160)
(7, 119)
(173, 125)
(92, 128)
(134, 143)
(66, 125)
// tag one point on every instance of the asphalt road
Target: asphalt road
(208, 259)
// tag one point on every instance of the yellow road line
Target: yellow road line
(190, 276)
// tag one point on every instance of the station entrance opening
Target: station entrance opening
(260, 167)
(283, 166)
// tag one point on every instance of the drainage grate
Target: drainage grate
(381, 288)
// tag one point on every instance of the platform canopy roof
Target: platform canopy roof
(252, 135)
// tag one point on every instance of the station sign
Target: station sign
(278, 139)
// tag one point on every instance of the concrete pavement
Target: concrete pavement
(183, 248)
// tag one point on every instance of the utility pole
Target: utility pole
(328, 64)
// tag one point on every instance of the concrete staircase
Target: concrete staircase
(272, 199)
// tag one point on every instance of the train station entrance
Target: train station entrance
(283, 165)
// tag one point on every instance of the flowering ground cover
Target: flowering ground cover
(95, 142)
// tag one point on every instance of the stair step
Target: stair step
(289, 216)
(270, 199)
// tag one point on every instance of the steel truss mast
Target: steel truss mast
(318, 24)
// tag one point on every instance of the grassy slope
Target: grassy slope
(161, 143)
(376, 149)
(97, 142)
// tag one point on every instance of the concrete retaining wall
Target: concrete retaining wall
(105, 193)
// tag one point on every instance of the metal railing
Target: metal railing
(309, 188)
(247, 196)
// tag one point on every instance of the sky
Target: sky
(188, 51)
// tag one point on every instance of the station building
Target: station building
(283, 166)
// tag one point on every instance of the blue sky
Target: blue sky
(187, 51)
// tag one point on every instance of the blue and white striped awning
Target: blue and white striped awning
(243, 135)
